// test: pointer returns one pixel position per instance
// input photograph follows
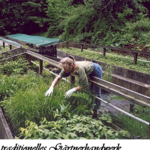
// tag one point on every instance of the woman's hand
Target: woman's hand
(69, 93)
(49, 91)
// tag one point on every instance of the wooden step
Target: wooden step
(131, 84)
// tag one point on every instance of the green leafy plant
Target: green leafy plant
(14, 67)
(78, 127)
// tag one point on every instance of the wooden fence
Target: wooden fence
(106, 49)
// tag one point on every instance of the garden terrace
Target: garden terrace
(136, 81)
(108, 86)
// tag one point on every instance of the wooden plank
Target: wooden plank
(13, 52)
(5, 59)
(18, 41)
(11, 43)
(40, 57)
(5, 132)
(121, 91)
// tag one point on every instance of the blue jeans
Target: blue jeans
(97, 72)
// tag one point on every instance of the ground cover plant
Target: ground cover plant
(141, 66)
(78, 127)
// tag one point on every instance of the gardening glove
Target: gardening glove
(49, 91)
(69, 93)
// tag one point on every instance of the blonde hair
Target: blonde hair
(67, 61)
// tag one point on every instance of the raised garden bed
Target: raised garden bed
(26, 94)
(5, 132)
(25, 107)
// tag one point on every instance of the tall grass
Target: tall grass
(133, 126)
(23, 98)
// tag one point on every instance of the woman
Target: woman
(82, 69)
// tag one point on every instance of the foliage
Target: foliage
(19, 96)
(78, 127)
(14, 67)
(133, 126)
(22, 16)
(92, 21)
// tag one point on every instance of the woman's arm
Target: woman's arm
(55, 81)
(78, 88)
(50, 90)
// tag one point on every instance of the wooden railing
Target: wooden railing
(106, 49)
(11, 43)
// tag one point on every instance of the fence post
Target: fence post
(28, 57)
(40, 67)
(131, 107)
(67, 44)
(4, 44)
(104, 52)
(135, 58)
(10, 47)
(81, 47)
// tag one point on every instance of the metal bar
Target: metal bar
(124, 112)
(121, 91)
